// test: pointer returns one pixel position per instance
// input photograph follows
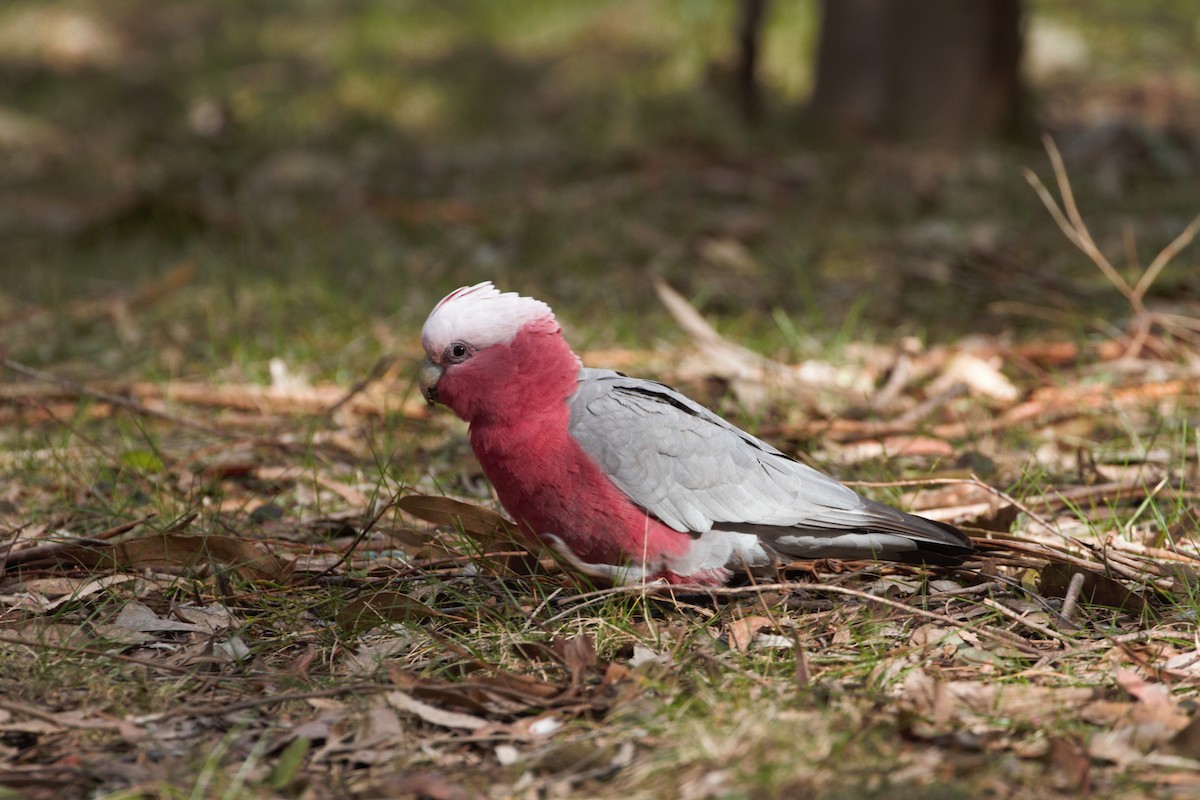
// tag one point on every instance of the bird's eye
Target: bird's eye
(457, 351)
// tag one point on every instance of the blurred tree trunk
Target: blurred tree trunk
(943, 70)
(750, 22)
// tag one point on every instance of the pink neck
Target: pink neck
(532, 374)
(519, 431)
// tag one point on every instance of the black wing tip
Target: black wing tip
(937, 555)
(927, 533)
(952, 549)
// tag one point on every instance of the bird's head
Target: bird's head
(494, 353)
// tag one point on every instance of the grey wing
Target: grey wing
(695, 471)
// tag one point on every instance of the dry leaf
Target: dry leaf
(176, 549)
(214, 618)
(741, 632)
(578, 654)
(981, 377)
(434, 715)
(429, 785)
(370, 656)
(1156, 712)
(385, 607)
(138, 617)
(479, 523)
(948, 704)
(1098, 589)
(1187, 741)
(1072, 761)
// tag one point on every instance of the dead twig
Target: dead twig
(1071, 599)
(918, 414)
(1163, 634)
(1023, 620)
(1071, 223)
(739, 365)
(117, 400)
(58, 718)
(972, 481)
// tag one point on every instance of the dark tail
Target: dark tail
(937, 543)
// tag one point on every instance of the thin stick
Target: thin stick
(974, 481)
(1090, 247)
(1163, 258)
(1111, 641)
(1071, 223)
(117, 400)
(1028, 623)
(1072, 596)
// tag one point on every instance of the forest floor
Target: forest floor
(241, 558)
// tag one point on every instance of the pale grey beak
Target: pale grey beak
(428, 379)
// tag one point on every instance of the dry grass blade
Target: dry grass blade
(221, 709)
(1071, 223)
(95, 653)
(385, 606)
(358, 539)
(1164, 257)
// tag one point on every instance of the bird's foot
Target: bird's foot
(616, 574)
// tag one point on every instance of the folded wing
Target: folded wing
(695, 472)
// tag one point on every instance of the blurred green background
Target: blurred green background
(328, 170)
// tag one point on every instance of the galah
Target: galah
(629, 480)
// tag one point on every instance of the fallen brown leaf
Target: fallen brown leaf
(478, 522)
(1097, 589)
(176, 549)
(383, 607)
(403, 701)
(741, 632)
(139, 617)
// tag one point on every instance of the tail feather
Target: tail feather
(946, 545)
(874, 531)
(936, 542)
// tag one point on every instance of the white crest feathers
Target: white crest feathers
(480, 315)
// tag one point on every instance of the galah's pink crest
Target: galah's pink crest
(628, 480)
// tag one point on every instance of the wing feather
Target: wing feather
(689, 467)
(695, 472)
